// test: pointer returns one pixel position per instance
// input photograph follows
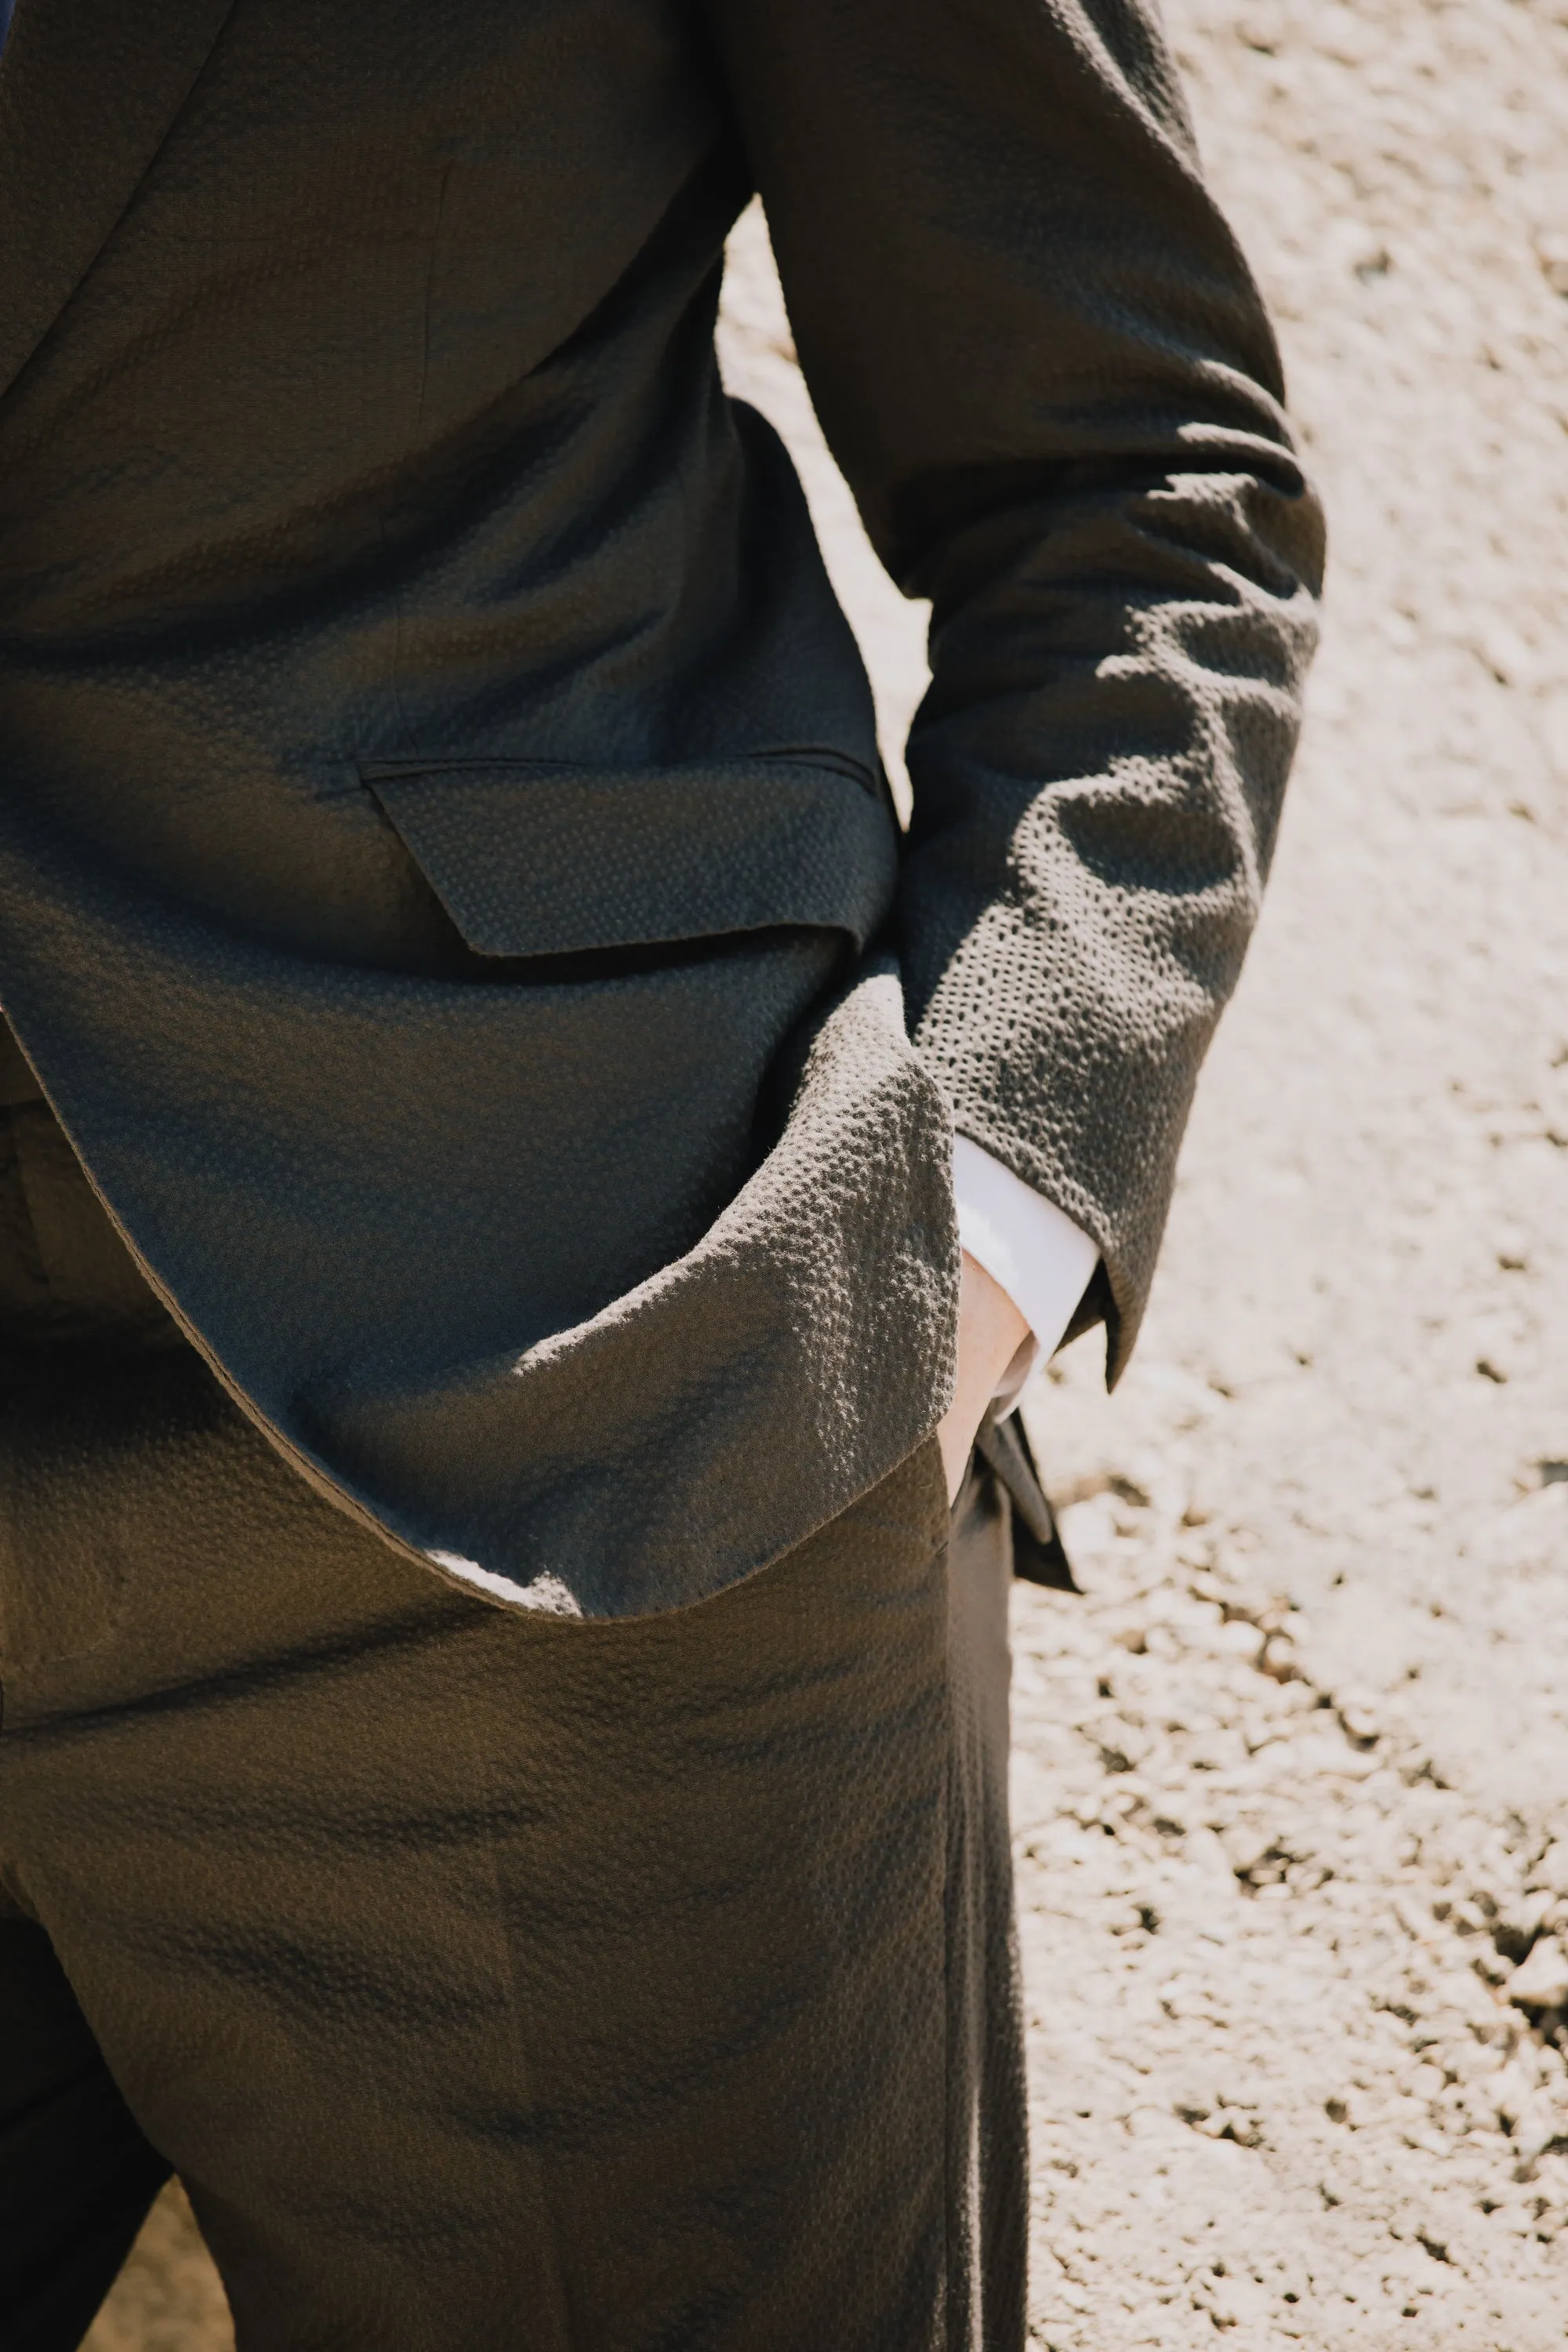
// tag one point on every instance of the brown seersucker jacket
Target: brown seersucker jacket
(447, 884)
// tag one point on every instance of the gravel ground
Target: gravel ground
(1292, 1780)
(1293, 1788)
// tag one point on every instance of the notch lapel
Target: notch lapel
(89, 91)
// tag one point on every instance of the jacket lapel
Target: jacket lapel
(88, 91)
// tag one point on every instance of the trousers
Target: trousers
(490, 1980)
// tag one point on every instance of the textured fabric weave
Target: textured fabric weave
(490, 1980)
(375, 537)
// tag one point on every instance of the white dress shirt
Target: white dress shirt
(1032, 1248)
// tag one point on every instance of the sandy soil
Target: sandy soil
(1292, 1782)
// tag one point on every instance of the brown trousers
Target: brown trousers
(491, 1982)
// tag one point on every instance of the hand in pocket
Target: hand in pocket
(991, 1330)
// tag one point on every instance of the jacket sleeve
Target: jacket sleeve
(1041, 362)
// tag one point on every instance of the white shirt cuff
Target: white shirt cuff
(1042, 1260)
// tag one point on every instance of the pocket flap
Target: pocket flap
(542, 857)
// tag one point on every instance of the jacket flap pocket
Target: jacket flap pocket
(541, 858)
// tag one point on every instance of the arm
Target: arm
(1046, 373)
(1025, 1269)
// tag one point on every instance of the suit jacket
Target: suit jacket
(446, 884)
